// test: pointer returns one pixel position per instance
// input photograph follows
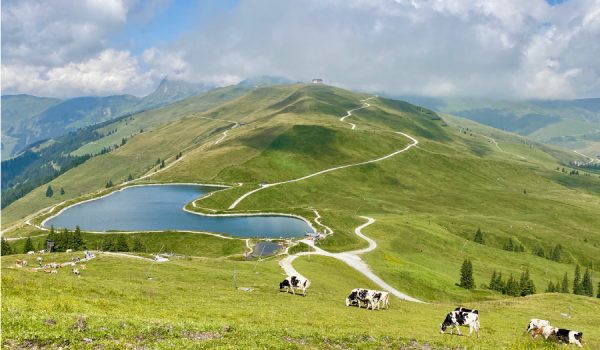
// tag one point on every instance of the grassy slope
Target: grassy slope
(124, 309)
(428, 202)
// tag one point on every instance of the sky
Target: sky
(515, 49)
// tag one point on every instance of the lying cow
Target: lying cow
(568, 337)
(294, 282)
(461, 317)
(536, 326)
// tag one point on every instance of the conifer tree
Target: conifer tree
(62, 191)
(526, 284)
(479, 237)
(564, 288)
(509, 245)
(512, 287)
(78, 242)
(577, 281)
(539, 251)
(587, 286)
(108, 244)
(500, 284)
(466, 275)
(137, 245)
(598, 295)
(5, 249)
(492, 284)
(49, 191)
(551, 288)
(555, 255)
(28, 245)
(121, 244)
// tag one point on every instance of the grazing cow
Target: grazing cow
(53, 271)
(20, 263)
(41, 251)
(69, 251)
(39, 260)
(382, 299)
(568, 337)
(461, 317)
(31, 252)
(545, 331)
(75, 271)
(293, 282)
(535, 326)
(369, 297)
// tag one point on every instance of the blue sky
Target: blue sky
(480, 48)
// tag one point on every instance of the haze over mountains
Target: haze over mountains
(27, 119)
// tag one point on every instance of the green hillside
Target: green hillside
(428, 202)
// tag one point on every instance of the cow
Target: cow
(82, 266)
(53, 271)
(568, 336)
(75, 272)
(41, 251)
(294, 282)
(545, 331)
(382, 299)
(69, 251)
(369, 297)
(31, 252)
(20, 263)
(535, 326)
(39, 260)
(461, 317)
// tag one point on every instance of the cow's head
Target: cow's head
(284, 284)
(447, 322)
(578, 336)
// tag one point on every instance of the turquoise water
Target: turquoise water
(159, 208)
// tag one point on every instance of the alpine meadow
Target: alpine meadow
(472, 223)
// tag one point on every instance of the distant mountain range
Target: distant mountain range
(571, 124)
(27, 119)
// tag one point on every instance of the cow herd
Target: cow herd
(374, 299)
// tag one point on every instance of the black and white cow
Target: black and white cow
(381, 300)
(568, 337)
(295, 282)
(370, 298)
(461, 317)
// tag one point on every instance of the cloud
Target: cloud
(109, 73)
(508, 49)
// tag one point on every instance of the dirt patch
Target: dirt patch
(298, 341)
(80, 325)
(201, 336)
(49, 322)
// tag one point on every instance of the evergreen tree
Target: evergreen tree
(479, 237)
(539, 251)
(492, 284)
(28, 245)
(526, 284)
(129, 178)
(500, 284)
(551, 288)
(49, 191)
(162, 164)
(509, 245)
(564, 288)
(577, 281)
(78, 243)
(520, 248)
(137, 245)
(466, 275)
(555, 255)
(62, 191)
(108, 244)
(512, 287)
(121, 244)
(5, 249)
(587, 286)
(109, 184)
(598, 295)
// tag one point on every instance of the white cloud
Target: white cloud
(110, 73)
(511, 48)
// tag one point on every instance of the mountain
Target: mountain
(169, 91)
(17, 110)
(286, 149)
(264, 80)
(27, 119)
(571, 124)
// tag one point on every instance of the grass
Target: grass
(428, 202)
(122, 308)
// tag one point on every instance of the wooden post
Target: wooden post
(234, 278)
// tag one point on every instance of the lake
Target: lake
(160, 208)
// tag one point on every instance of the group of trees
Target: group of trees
(66, 239)
(513, 287)
(50, 191)
(513, 246)
(581, 285)
(119, 243)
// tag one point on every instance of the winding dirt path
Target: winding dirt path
(351, 258)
